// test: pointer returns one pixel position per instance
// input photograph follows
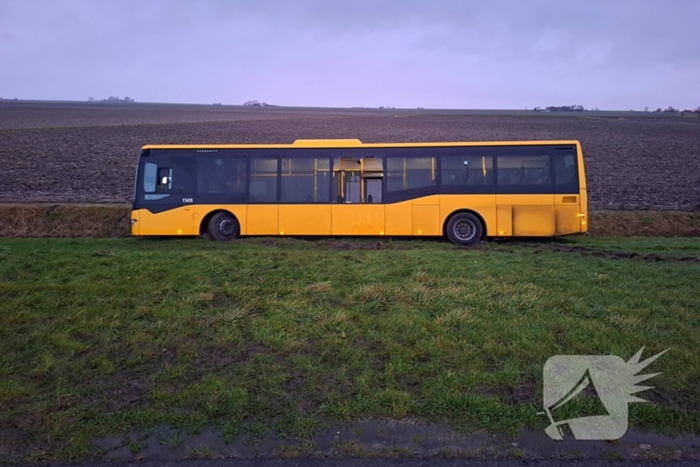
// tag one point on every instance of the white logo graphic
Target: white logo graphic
(613, 381)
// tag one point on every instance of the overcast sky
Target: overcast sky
(612, 54)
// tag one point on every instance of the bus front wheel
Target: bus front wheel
(464, 229)
(223, 227)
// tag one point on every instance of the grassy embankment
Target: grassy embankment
(99, 337)
(105, 221)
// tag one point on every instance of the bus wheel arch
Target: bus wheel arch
(464, 227)
(220, 225)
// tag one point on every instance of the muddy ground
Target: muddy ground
(87, 154)
(393, 438)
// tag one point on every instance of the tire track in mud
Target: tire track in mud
(602, 253)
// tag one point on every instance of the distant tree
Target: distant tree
(646, 109)
(566, 108)
(658, 110)
(113, 99)
(671, 109)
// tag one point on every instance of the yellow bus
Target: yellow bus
(464, 191)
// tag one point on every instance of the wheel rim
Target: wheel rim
(464, 230)
(226, 227)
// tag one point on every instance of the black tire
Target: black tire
(223, 227)
(464, 229)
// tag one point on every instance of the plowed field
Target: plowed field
(87, 154)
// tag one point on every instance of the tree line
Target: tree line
(580, 108)
(113, 99)
(561, 108)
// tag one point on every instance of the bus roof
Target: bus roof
(351, 143)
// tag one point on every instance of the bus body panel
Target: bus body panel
(527, 217)
(583, 190)
(305, 219)
(567, 214)
(504, 220)
(358, 219)
(354, 143)
(426, 219)
(399, 218)
(135, 225)
(431, 200)
(584, 211)
(426, 216)
(581, 167)
(531, 215)
(263, 219)
(176, 221)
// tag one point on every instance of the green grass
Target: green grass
(278, 336)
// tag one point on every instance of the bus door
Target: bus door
(359, 189)
(357, 196)
(373, 190)
(166, 195)
(525, 195)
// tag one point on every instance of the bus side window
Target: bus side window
(165, 179)
(408, 173)
(467, 170)
(524, 170)
(564, 168)
(150, 178)
(263, 180)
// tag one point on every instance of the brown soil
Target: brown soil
(644, 224)
(523, 392)
(64, 221)
(87, 154)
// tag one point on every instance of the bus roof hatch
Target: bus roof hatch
(327, 142)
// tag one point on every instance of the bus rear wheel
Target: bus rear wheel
(223, 227)
(464, 229)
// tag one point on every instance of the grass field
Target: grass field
(277, 336)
